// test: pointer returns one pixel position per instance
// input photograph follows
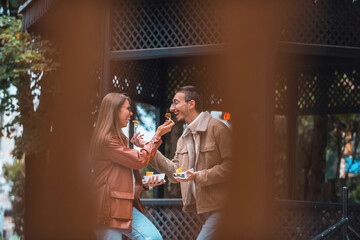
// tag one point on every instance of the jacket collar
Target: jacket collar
(200, 124)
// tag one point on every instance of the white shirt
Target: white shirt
(192, 127)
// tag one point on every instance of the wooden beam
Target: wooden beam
(140, 54)
(319, 50)
(32, 11)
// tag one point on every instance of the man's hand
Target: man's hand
(191, 177)
(152, 182)
(138, 140)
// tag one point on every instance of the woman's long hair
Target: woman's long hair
(108, 122)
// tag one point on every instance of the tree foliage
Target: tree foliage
(10, 7)
(25, 59)
(15, 173)
(354, 195)
(25, 62)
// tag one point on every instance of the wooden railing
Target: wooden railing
(292, 219)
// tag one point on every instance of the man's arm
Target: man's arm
(164, 165)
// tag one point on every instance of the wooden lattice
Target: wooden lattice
(292, 220)
(319, 89)
(281, 92)
(345, 88)
(328, 22)
(151, 24)
(144, 24)
(155, 81)
(139, 79)
(201, 74)
(171, 221)
(309, 91)
(304, 220)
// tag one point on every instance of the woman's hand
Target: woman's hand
(152, 182)
(138, 140)
(165, 128)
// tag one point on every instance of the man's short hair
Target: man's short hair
(192, 93)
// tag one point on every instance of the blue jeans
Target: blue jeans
(142, 229)
(210, 226)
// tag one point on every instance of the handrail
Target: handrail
(344, 222)
(162, 202)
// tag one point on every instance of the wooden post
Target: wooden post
(248, 80)
(106, 42)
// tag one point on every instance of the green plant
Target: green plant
(15, 174)
(26, 61)
(354, 195)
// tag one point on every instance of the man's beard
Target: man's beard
(181, 121)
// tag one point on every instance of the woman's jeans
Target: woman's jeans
(141, 227)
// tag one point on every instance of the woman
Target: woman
(115, 169)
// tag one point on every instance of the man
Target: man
(204, 146)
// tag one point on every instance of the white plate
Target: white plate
(160, 175)
(183, 175)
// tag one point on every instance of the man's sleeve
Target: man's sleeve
(164, 165)
(221, 172)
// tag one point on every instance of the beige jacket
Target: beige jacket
(213, 164)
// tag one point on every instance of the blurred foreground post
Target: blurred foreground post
(248, 78)
(58, 203)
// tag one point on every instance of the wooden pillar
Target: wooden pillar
(66, 210)
(159, 191)
(292, 134)
(248, 80)
(105, 81)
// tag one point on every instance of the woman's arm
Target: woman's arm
(131, 158)
(118, 153)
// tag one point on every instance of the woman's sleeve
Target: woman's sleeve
(118, 153)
